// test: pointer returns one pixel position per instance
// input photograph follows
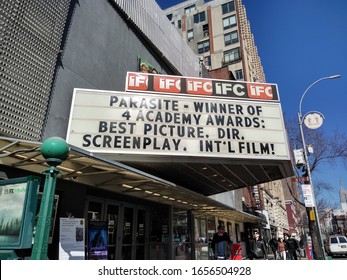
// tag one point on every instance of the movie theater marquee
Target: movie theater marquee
(150, 124)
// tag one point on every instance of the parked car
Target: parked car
(336, 245)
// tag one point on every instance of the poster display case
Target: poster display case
(18, 202)
(97, 240)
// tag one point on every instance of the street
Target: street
(339, 257)
(271, 257)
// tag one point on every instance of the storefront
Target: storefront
(146, 217)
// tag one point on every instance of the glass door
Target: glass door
(181, 235)
(141, 234)
(127, 228)
(112, 215)
(127, 240)
(135, 234)
(95, 209)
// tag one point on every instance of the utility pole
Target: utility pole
(312, 213)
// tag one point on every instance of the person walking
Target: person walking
(258, 248)
(302, 247)
(282, 249)
(292, 247)
(221, 244)
(273, 245)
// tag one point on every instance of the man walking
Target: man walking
(221, 244)
(274, 245)
(292, 246)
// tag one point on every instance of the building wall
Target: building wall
(30, 37)
(292, 218)
(275, 204)
(50, 47)
(249, 61)
(228, 198)
(252, 63)
(101, 46)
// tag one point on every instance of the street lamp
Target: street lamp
(54, 150)
(319, 235)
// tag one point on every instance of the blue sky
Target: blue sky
(299, 42)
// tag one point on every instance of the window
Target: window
(237, 233)
(231, 38)
(205, 30)
(179, 24)
(228, 7)
(199, 17)
(342, 239)
(229, 22)
(333, 240)
(204, 46)
(232, 55)
(200, 228)
(190, 34)
(169, 17)
(189, 9)
(207, 60)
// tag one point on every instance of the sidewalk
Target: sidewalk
(271, 257)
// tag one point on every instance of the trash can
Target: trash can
(236, 252)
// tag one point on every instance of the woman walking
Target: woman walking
(282, 249)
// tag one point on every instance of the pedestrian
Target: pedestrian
(273, 245)
(221, 244)
(292, 247)
(282, 249)
(257, 246)
(302, 247)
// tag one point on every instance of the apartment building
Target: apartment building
(335, 220)
(274, 205)
(219, 33)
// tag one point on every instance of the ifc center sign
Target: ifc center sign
(186, 121)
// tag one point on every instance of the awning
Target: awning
(85, 168)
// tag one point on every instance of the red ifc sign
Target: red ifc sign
(143, 82)
(259, 91)
(137, 81)
(167, 84)
(199, 86)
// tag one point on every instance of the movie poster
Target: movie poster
(71, 239)
(97, 240)
(18, 200)
(12, 205)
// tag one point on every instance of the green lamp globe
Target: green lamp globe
(55, 150)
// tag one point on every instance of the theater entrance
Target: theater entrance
(127, 227)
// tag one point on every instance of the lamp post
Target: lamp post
(54, 150)
(319, 250)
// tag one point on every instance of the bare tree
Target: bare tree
(327, 149)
